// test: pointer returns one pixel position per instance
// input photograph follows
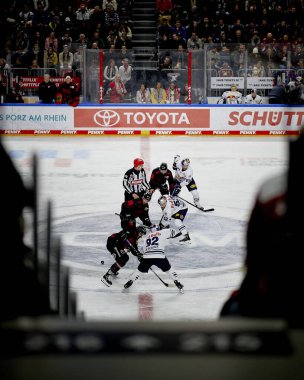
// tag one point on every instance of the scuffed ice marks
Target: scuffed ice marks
(215, 241)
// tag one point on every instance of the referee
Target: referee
(135, 181)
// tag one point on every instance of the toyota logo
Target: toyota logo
(106, 118)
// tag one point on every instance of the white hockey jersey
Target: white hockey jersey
(232, 97)
(173, 206)
(155, 242)
(184, 177)
(249, 99)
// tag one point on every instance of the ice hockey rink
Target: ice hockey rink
(83, 178)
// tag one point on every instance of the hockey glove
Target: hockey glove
(176, 190)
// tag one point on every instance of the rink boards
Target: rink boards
(142, 120)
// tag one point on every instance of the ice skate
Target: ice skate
(128, 284)
(106, 279)
(185, 240)
(179, 286)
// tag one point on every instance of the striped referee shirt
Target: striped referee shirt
(135, 181)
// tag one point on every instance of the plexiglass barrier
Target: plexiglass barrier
(171, 76)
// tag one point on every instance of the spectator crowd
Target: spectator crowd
(252, 38)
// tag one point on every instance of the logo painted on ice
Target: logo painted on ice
(106, 118)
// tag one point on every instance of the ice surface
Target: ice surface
(83, 177)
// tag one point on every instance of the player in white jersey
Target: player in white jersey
(253, 98)
(232, 96)
(154, 254)
(174, 212)
(184, 177)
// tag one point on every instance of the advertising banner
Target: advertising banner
(149, 120)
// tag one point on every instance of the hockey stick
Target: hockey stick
(165, 283)
(204, 210)
(137, 251)
(139, 223)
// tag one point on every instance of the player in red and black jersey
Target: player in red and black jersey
(136, 208)
(161, 179)
(120, 245)
(135, 181)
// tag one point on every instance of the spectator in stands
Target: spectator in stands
(165, 62)
(225, 70)
(123, 40)
(172, 93)
(65, 60)
(66, 39)
(51, 41)
(206, 28)
(47, 90)
(274, 228)
(179, 58)
(124, 53)
(164, 7)
(125, 72)
(96, 39)
(111, 18)
(219, 29)
(194, 27)
(158, 94)
(164, 28)
(239, 57)
(82, 41)
(258, 70)
(35, 54)
(68, 92)
(111, 3)
(179, 31)
(34, 67)
(50, 58)
(25, 17)
(184, 94)
(82, 21)
(143, 95)
(194, 42)
(109, 73)
(123, 27)
(116, 90)
(43, 3)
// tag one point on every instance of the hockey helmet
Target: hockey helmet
(162, 200)
(140, 230)
(233, 87)
(147, 196)
(185, 162)
(163, 166)
(138, 161)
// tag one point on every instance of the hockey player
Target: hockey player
(174, 211)
(136, 208)
(161, 179)
(154, 254)
(232, 96)
(135, 181)
(184, 177)
(120, 245)
(253, 98)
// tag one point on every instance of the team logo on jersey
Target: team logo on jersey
(106, 118)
